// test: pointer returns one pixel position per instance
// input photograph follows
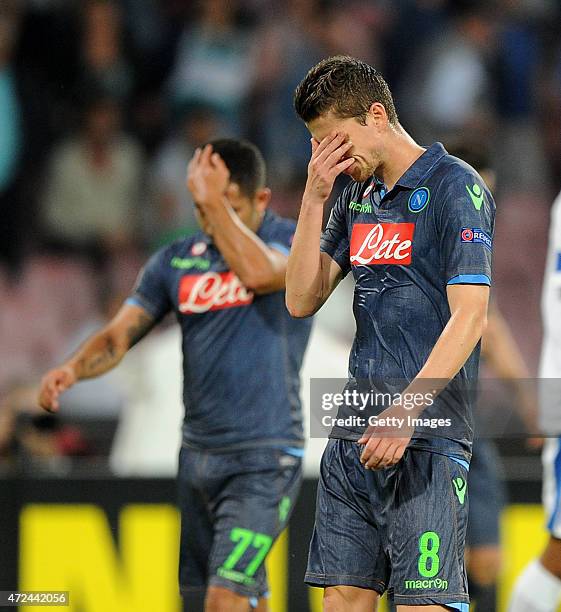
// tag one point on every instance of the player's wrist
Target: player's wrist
(72, 370)
(211, 200)
(313, 201)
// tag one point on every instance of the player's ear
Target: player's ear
(377, 114)
(262, 198)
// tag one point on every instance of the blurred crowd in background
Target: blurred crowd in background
(102, 104)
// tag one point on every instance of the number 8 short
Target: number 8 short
(401, 529)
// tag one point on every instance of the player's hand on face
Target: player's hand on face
(207, 177)
(328, 160)
(53, 384)
(233, 192)
(385, 446)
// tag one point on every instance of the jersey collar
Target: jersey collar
(413, 175)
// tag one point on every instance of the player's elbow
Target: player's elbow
(479, 322)
(299, 309)
(257, 283)
(483, 322)
(119, 341)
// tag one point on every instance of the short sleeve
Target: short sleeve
(150, 291)
(279, 235)
(466, 224)
(335, 237)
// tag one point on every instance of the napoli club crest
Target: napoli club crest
(419, 199)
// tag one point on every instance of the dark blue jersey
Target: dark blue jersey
(433, 229)
(241, 352)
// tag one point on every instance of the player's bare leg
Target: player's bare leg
(422, 609)
(349, 599)
(263, 605)
(483, 564)
(538, 588)
(551, 557)
(219, 599)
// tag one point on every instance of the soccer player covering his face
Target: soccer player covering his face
(240, 461)
(415, 228)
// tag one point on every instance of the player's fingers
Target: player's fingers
(50, 385)
(324, 142)
(55, 383)
(395, 452)
(327, 145)
(383, 460)
(343, 165)
(219, 164)
(315, 145)
(192, 170)
(370, 448)
(379, 456)
(194, 161)
(386, 460)
(47, 398)
(43, 399)
(399, 451)
(192, 166)
(367, 435)
(205, 155)
(337, 155)
(232, 191)
(62, 386)
(45, 404)
(54, 405)
(367, 449)
(323, 153)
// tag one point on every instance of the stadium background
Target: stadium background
(101, 105)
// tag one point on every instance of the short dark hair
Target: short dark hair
(245, 163)
(344, 85)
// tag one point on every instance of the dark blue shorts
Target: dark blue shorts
(233, 507)
(401, 529)
(487, 495)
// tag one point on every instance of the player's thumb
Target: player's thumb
(64, 382)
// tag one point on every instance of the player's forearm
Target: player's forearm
(455, 344)
(304, 279)
(99, 354)
(509, 366)
(504, 358)
(245, 253)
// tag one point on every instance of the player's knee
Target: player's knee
(484, 565)
(551, 557)
(219, 599)
(348, 599)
